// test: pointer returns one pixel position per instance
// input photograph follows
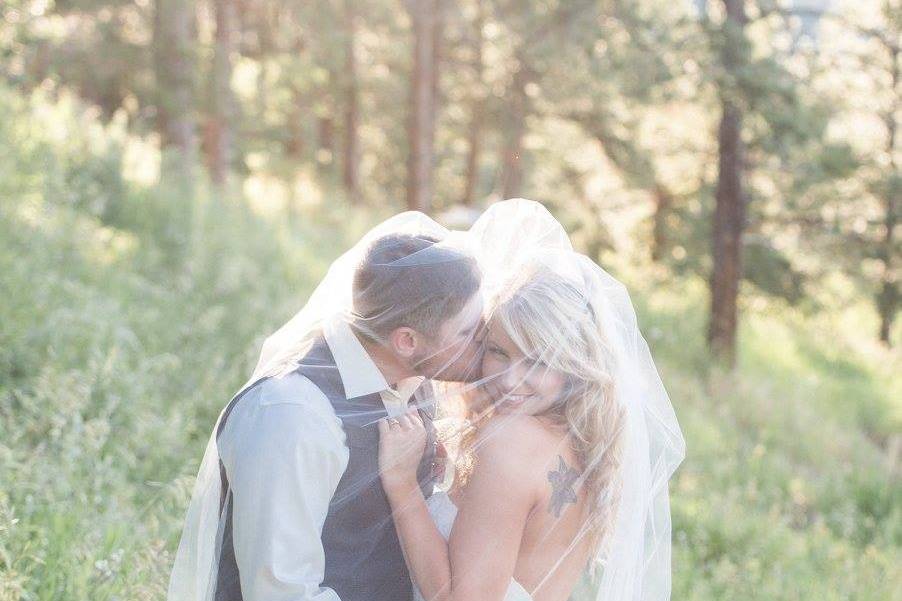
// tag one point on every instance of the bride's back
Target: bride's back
(555, 545)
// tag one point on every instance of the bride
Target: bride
(572, 442)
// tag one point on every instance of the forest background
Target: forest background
(176, 175)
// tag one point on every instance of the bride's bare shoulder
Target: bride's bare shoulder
(516, 441)
(508, 429)
(504, 451)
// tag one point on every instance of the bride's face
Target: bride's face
(515, 383)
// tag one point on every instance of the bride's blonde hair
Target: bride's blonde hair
(551, 321)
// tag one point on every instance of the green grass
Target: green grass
(128, 315)
(786, 491)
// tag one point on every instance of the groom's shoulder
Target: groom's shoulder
(280, 415)
(289, 388)
(289, 399)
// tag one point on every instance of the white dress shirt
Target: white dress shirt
(284, 450)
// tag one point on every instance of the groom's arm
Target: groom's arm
(285, 466)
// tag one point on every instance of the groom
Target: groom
(305, 515)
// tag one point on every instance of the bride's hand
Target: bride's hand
(401, 444)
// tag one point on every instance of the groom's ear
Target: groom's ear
(404, 341)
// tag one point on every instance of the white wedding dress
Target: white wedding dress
(443, 512)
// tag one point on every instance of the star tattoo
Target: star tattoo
(562, 481)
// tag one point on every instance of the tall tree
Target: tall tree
(730, 195)
(891, 188)
(223, 107)
(423, 104)
(513, 129)
(350, 167)
(888, 300)
(477, 107)
(174, 66)
(264, 18)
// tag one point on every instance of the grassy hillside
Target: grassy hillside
(129, 314)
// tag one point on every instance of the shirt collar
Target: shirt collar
(359, 375)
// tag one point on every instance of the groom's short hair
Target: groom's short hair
(410, 280)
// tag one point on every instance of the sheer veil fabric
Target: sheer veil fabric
(514, 244)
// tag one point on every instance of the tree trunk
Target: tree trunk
(888, 297)
(325, 133)
(264, 21)
(477, 111)
(174, 70)
(325, 124)
(663, 202)
(513, 130)
(729, 210)
(222, 101)
(421, 123)
(729, 217)
(351, 145)
(438, 35)
(294, 143)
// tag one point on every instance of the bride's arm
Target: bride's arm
(485, 542)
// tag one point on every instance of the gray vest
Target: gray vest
(363, 555)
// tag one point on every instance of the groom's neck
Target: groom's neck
(392, 370)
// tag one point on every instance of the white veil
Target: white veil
(510, 239)
(635, 563)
